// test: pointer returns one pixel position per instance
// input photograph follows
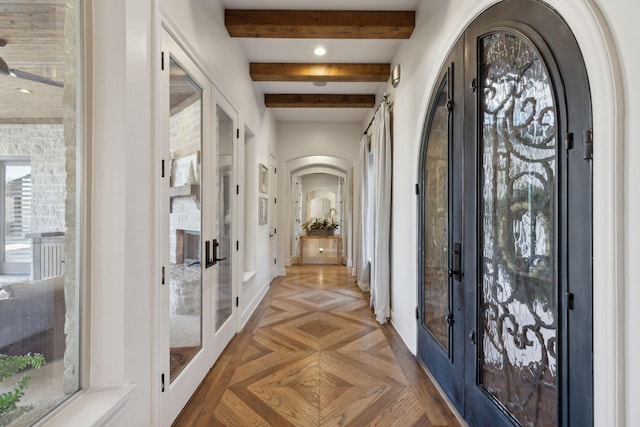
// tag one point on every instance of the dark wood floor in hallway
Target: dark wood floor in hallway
(312, 355)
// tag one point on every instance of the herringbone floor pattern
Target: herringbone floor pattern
(312, 355)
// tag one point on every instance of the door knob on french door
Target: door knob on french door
(208, 261)
(215, 252)
(455, 271)
(211, 256)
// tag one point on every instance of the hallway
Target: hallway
(312, 355)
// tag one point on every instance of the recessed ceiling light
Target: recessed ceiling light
(320, 51)
(23, 90)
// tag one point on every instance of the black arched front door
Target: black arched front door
(505, 319)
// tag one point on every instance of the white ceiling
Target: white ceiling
(34, 36)
(338, 50)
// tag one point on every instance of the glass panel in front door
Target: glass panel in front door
(436, 223)
(224, 185)
(518, 305)
(185, 219)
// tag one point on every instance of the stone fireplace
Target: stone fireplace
(185, 287)
(184, 274)
(186, 248)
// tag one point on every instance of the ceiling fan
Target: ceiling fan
(6, 71)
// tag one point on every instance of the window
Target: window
(15, 215)
(39, 208)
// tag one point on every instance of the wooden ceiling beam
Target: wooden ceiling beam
(320, 24)
(281, 72)
(319, 101)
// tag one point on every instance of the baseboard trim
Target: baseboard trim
(248, 312)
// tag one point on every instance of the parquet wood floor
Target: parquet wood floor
(179, 357)
(313, 355)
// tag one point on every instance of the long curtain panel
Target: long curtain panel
(362, 253)
(382, 164)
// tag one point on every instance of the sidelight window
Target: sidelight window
(436, 225)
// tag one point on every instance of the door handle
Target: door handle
(472, 337)
(455, 271)
(208, 262)
(215, 252)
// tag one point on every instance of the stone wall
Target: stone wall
(185, 128)
(44, 145)
(185, 141)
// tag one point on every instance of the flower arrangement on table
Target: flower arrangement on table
(327, 224)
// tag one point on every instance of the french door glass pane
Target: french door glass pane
(436, 220)
(224, 178)
(185, 219)
(517, 230)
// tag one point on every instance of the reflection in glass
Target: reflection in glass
(40, 166)
(518, 181)
(436, 219)
(320, 206)
(16, 258)
(224, 178)
(185, 272)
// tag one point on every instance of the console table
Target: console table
(304, 237)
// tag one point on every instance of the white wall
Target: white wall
(251, 292)
(318, 139)
(602, 35)
(621, 17)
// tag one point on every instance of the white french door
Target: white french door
(197, 146)
(185, 209)
(222, 259)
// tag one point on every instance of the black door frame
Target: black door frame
(561, 53)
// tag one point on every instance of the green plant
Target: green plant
(10, 366)
(320, 224)
(329, 222)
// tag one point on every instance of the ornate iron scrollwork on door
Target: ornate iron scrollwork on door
(518, 232)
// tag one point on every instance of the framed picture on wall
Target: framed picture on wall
(263, 175)
(263, 206)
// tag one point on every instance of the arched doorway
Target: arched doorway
(318, 195)
(505, 272)
(340, 170)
